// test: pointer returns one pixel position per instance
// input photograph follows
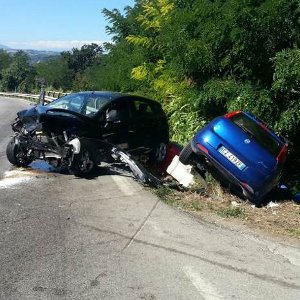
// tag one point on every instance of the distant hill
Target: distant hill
(4, 47)
(35, 55)
(40, 56)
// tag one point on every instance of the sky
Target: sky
(55, 24)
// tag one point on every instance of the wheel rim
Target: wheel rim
(161, 152)
(85, 164)
(21, 156)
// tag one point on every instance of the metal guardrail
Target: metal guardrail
(49, 96)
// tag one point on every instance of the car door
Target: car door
(114, 123)
(144, 123)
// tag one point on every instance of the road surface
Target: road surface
(110, 238)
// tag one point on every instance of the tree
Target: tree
(19, 75)
(56, 73)
(80, 59)
(5, 60)
(208, 57)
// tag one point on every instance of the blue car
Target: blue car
(243, 149)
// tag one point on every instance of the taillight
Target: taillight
(281, 157)
(202, 148)
(232, 114)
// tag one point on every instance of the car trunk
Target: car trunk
(243, 146)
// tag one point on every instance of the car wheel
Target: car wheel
(83, 163)
(17, 155)
(186, 154)
(160, 152)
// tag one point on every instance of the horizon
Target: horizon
(69, 45)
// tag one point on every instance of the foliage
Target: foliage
(202, 58)
(79, 59)
(286, 88)
(18, 74)
(5, 60)
(56, 73)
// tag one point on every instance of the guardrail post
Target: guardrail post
(42, 96)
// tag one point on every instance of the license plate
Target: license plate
(232, 158)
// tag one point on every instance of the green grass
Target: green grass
(295, 232)
(231, 212)
(166, 194)
(197, 205)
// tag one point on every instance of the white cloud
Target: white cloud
(50, 45)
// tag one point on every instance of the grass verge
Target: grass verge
(282, 220)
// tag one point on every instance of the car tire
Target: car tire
(158, 153)
(16, 155)
(84, 162)
(186, 154)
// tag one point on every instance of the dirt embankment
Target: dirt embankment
(280, 216)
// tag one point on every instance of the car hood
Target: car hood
(53, 119)
(39, 110)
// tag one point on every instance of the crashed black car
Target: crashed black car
(79, 131)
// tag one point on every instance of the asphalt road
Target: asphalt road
(110, 238)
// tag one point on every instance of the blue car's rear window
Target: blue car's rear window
(261, 135)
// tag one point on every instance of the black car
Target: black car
(76, 130)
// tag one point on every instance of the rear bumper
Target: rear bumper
(249, 192)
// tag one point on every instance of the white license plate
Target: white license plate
(232, 158)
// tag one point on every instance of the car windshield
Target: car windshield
(261, 135)
(84, 104)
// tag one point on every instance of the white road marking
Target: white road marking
(206, 290)
(124, 185)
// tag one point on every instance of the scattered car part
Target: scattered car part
(181, 172)
(139, 172)
(243, 149)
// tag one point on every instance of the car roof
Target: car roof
(115, 95)
(106, 94)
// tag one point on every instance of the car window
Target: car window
(257, 132)
(121, 109)
(94, 104)
(83, 103)
(73, 102)
(142, 108)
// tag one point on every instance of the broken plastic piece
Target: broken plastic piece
(139, 172)
(181, 172)
(272, 204)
